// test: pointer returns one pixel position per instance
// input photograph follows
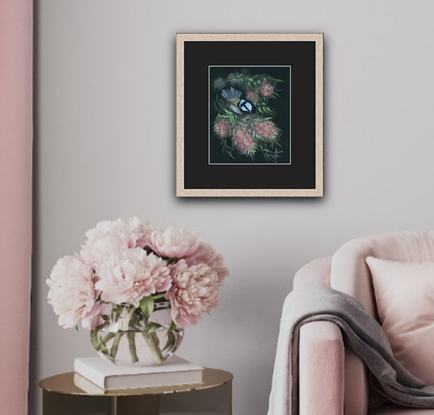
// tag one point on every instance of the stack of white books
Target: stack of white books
(94, 375)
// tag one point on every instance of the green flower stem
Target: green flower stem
(131, 312)
(95, 340)
(156, 339)
(108, 337)
(152, 342)
(115, 345)
(132, 346)
(97, 343)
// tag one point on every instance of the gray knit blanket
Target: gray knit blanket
(361, 332)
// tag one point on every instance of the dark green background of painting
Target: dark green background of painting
(198, 57)
(279, 105)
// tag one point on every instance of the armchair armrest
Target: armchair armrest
(322, 355)
(322, 369)
(316, 272)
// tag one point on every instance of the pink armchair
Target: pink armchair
(332, 379)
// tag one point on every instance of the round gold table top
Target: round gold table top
(64, 383)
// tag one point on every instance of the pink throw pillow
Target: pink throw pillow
(404, 293)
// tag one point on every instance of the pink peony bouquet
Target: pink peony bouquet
(125, 273)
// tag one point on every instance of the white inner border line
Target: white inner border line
(209, 115)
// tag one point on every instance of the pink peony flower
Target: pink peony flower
(266, 130)
(206, 254)
(128, 276)
(252, 96)
(223, 128)
(266, 89)
(193, 293)
(72, 293)
(111, 237)
(243, 140)
(173, 242)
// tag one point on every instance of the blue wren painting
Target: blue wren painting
(250, 119)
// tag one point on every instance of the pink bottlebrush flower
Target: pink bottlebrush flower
(223, 128)
(193, 292)
(206, 254)
(232, 78)
(129, 276)
(243, 140)
(252, 96)
(72, 292)
(111, 237)
(173, 242)
(266, 89)
(266, 130)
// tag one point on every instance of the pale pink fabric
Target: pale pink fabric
(390, 409)
(316, 272)
(356, 396)
(404, 294)
(350, 274)
(15, 201)
(320, 342)
(321, 364)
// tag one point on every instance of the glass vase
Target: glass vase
(125, 337)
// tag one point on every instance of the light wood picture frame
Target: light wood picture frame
(249, 115)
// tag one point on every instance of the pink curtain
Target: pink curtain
(15, 201)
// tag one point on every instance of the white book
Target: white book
(86, 385)
(176, 371)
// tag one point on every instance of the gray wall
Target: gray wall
(105, 148)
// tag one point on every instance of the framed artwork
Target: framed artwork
(249, 115)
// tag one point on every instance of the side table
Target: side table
(61, 396)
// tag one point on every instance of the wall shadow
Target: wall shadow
(34, 365)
